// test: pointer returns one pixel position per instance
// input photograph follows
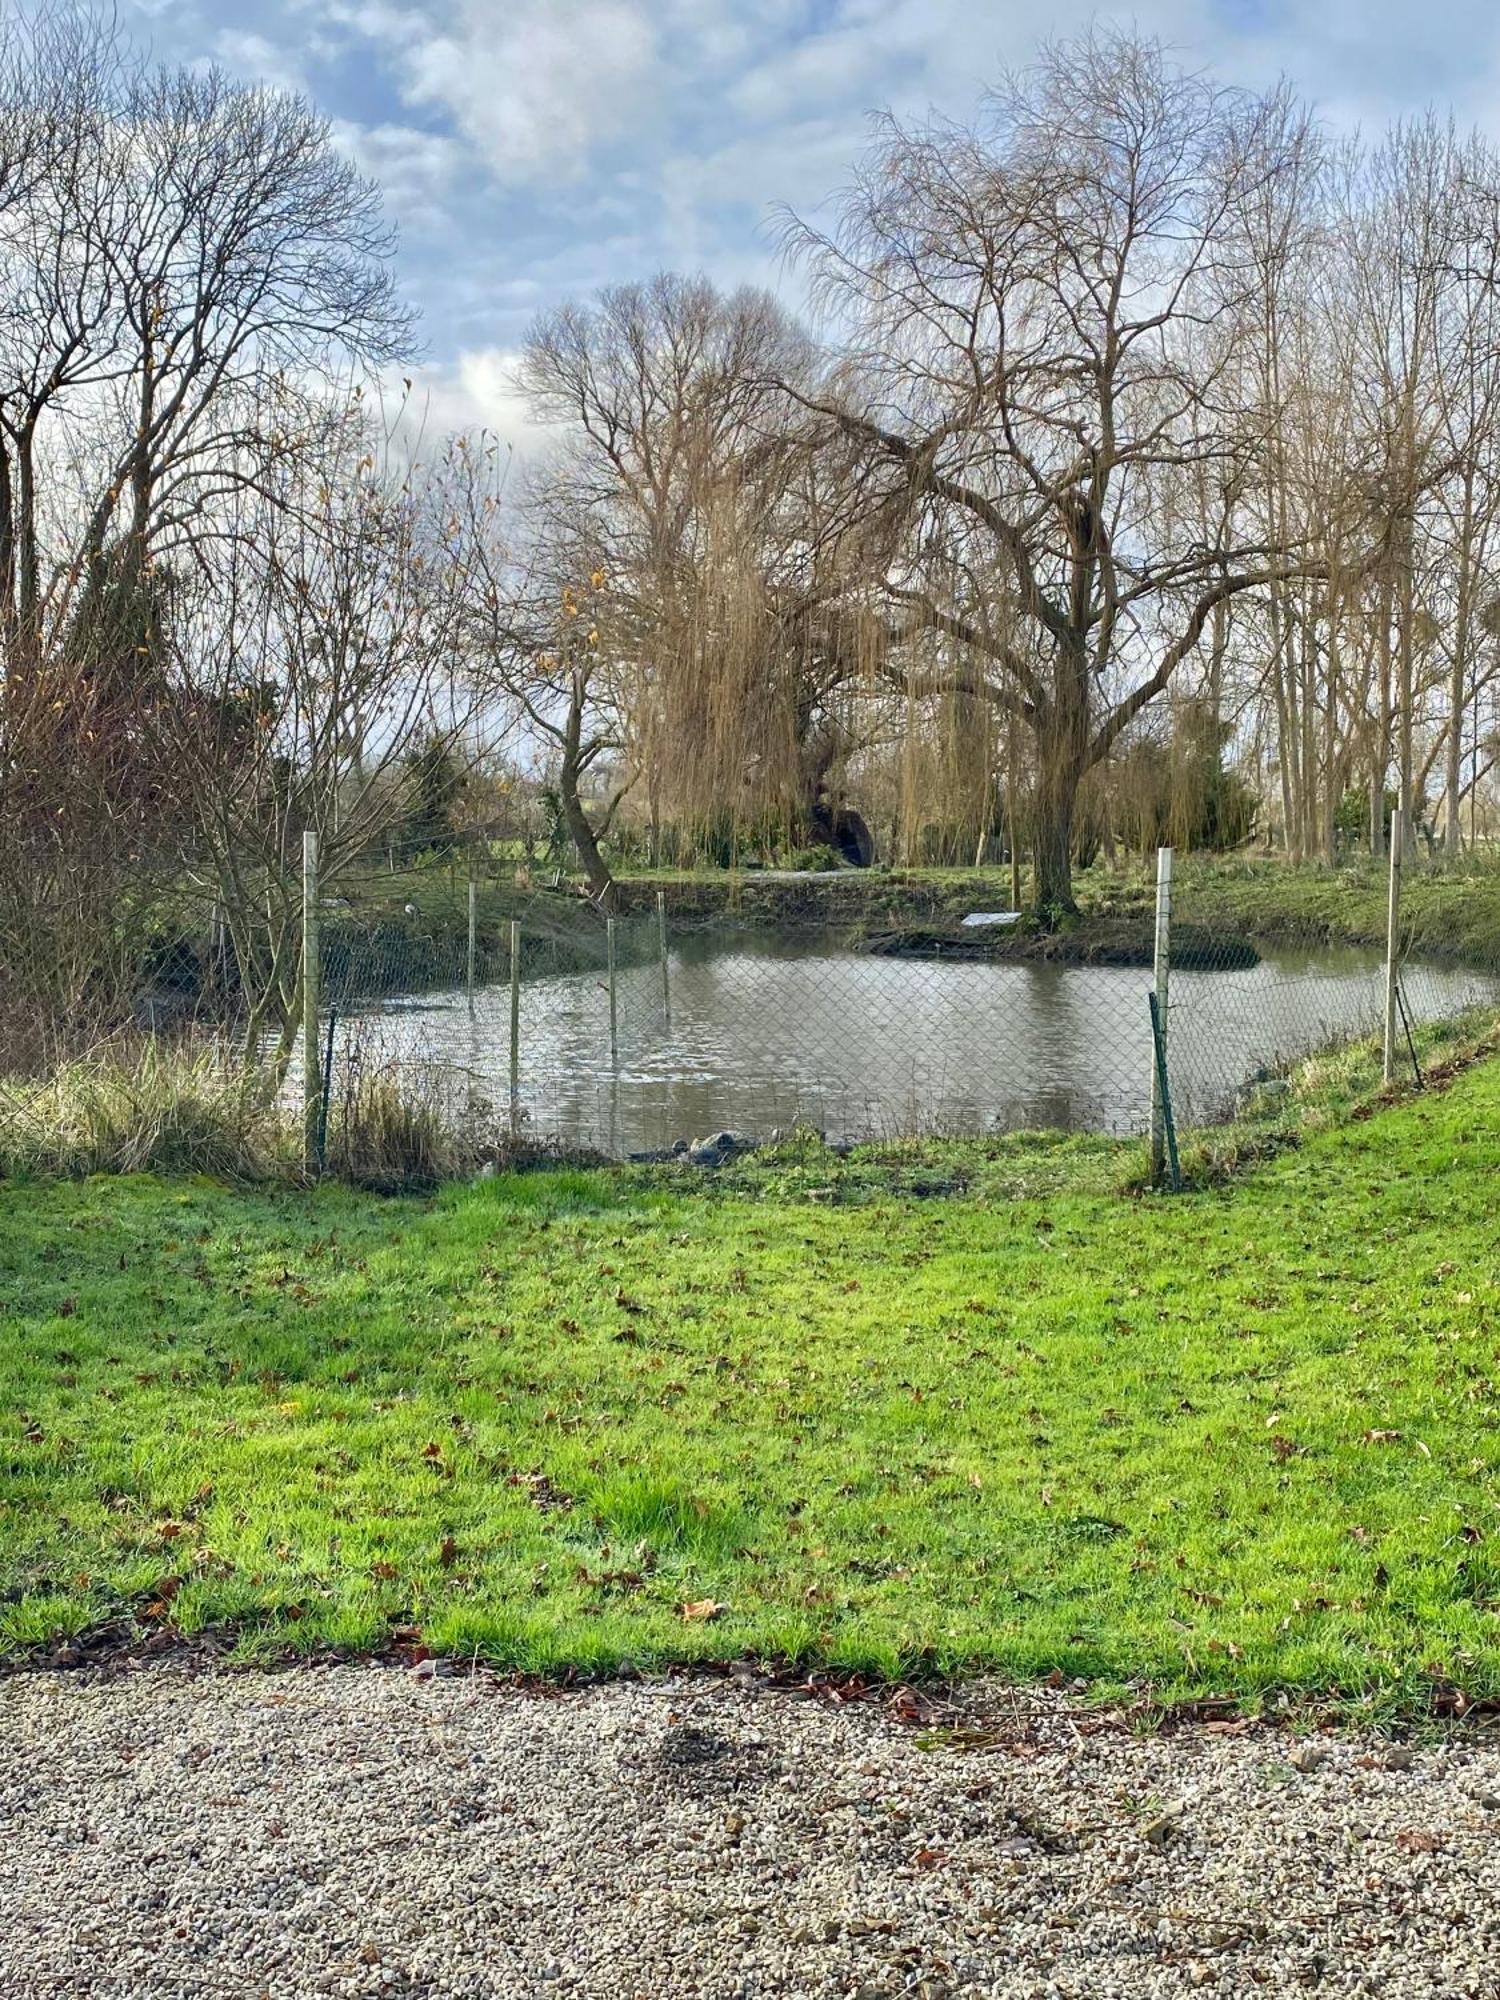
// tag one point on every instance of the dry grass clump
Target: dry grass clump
(393, 1135)
(144, 1106)
(190, 1106)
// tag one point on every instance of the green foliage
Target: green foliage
(1351, 819)
(1238, 1441)
(435, 782)
(554, 824)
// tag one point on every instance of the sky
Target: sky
(534, 150)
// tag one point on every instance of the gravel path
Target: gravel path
(369, 1831)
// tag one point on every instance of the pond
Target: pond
(764, 1031)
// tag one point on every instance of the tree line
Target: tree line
(1147, 417)
(1132, 472)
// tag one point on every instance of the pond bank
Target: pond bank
(1451, 915)
(1114, 941)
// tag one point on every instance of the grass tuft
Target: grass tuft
(393, 1140)
(146, 1106)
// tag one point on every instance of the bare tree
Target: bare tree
(540, 646)
(729, 529)
(1046, 308)
(190, 259)
(323, 644)
(187, 270)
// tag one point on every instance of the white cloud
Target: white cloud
(258, 60)
(535, 149)
(416, 171)
(539, 86)
(477, 392)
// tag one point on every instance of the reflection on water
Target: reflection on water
(767, 1031)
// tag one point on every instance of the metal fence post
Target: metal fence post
(473, 935)
(661, 947)
(312, 1068)
(515, 1015)
(614, 1024)
(1162, 966)
(1393, 940)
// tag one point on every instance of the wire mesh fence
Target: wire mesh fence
(491, 990)
(654, 1031)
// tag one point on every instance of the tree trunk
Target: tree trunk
(1457, 689)
(1054, 808)
(1406, 664)
(1062, 758)
(595, 868)
(1380, 751)
(1332, 764)
(569, 790)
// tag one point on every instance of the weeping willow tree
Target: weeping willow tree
(948, 792)
(1043, 310)
(733, 534)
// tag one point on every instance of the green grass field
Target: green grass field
(1240, 1440)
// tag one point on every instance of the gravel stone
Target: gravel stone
(359, 1831)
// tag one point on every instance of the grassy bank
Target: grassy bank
(1451, 914)
(961, 1408)
(408, 931)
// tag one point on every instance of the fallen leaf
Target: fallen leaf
(704, 1608)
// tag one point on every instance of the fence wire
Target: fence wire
(710, 1025)
(515, 1006)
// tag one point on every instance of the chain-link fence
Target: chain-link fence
(490, 991)
(661, 1028)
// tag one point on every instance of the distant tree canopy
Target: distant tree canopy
(1140, 385)
(435, 783)
(1177, 792)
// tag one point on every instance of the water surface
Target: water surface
(764, 1031)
